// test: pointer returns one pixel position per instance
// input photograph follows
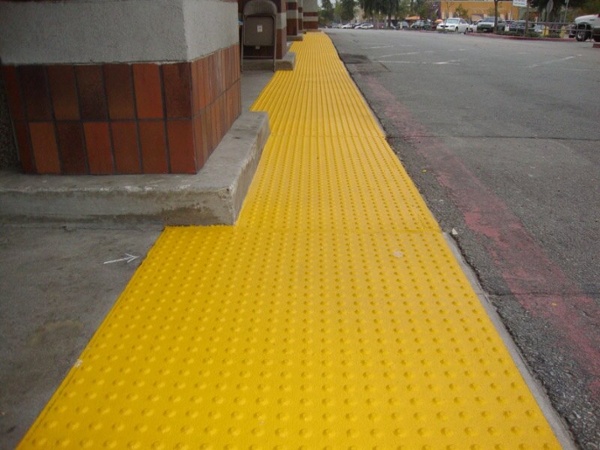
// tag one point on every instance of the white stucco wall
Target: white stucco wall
(210, 25)
(310, 5)
(281, 20)
(104, 31)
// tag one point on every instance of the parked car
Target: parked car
(348, 26)
(402, 25)
(518, 26)
(421, 25)
(365, 26)
(596, 33)
(473, 27)
(582, 27)
(454, 24)
(487, 25)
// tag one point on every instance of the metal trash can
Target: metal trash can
(259, 27)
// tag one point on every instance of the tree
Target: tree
(576, 7)
(461, 12)
(426, 9)
(495, 15)
(388, 8)
(347, 10)
(326, 12)
(368, 6)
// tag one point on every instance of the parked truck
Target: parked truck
(586, 27)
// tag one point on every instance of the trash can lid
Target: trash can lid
(264, 7)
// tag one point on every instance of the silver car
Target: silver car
(487, 25)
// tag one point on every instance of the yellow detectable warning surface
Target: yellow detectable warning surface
(333, 315)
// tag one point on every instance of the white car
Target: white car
(347, 26)
(473, 27)
(454, 24)
(365, 26)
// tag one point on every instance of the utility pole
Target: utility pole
(527, 20)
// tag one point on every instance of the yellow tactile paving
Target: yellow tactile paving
(333, 315)
(313, 182)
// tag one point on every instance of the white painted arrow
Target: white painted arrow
(127, 258)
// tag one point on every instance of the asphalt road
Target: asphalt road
(502, 138)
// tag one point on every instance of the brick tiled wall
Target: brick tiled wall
(311, 20)
(292, 18)
(123, 118)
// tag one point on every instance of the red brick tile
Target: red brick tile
(177, 80)
(35, 92)
(238, 97)
(202, 83)
(227, 70)
(226, 115)
(200, 141)
(126, 148)
(119, 91)
(212, 79)
(153, 145)
(237, 100)
(201, 93)
(13, 93)
(45, 149)
(281, 42)
(195, 90)
(182, 155)
(208, 124)
(92, 100)
(63, 90)
(148, 91)
(227, 67)
(71, 148)
(221, 117)
(236, 67)
(215, 125)
(99, 152)
(230, 108)
(219, 72)
(216, 75)
(24, 147)
(236, 63)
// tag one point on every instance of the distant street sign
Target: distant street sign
(520, 3)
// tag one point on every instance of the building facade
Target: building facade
(477, 10)
(126, 87)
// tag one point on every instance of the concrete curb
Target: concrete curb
(212, 196)
(520, 38)
(558, 425)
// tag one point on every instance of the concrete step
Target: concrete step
(212, 196)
